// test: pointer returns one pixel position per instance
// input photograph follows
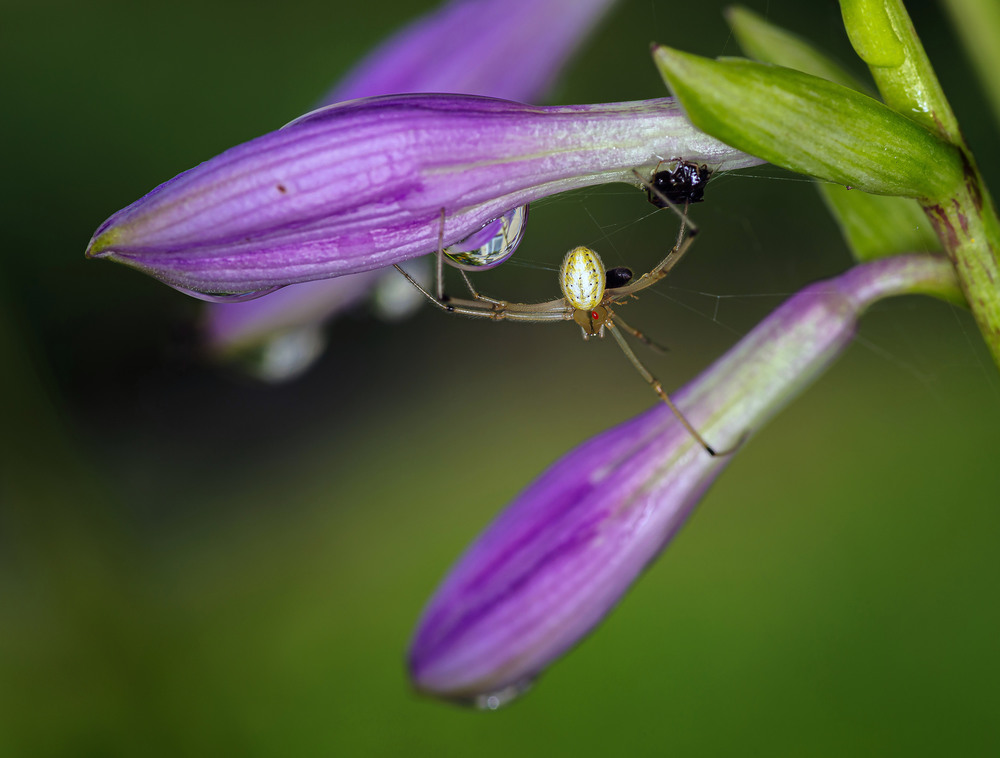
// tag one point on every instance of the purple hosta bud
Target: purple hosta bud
(511, 49)
(368, 183)
(261, 332)
(564, 552)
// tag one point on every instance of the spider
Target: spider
(590, 302)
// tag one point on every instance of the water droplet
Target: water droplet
(225, 297)
(494, 243)
(494, 700)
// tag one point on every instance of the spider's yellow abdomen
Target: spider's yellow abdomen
(582, 278)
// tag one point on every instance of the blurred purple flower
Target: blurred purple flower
(511, 49)
(237, 324)
(564, 552)
(370, 182)
(278, 337)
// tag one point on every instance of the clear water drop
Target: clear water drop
(494, 243)
(494, 700)
(225, 297)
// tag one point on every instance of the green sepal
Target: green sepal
(811, 125)
(966, 219)
(874, 226)
(767, 43)
(877, 226)
(872, 34)
(883, 37)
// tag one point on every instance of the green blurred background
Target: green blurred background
(195, 563)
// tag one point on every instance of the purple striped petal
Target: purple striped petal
(364, 184)
(564, 552)
(511, 49)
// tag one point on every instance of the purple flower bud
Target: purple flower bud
(563, 553)
(521, 45)
(364, 184)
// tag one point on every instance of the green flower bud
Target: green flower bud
(764, 42)
(810, 125)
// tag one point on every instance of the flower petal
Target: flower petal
(364, 184)
(513, 49)
(564, 552)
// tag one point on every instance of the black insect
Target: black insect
(617, 277)
(681, 185)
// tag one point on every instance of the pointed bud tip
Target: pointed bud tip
(674, 64)
(100, 244)
(665, 51)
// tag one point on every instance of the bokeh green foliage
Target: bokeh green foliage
(194, 564)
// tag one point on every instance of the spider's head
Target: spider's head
(592, 320)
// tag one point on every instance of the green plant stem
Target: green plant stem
(971, 241)
(966, 221)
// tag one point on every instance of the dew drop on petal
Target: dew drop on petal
(225, 297)
(494, 700)
(494, 243)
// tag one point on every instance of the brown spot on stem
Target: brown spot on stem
(282, 189)
(972, 181)
(963, 219)
(942, 226)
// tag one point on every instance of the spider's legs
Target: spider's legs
(476, 295)
(680, 247)
(497, 310)
(639, 335)
(439, 260)
(439, 274)
(667, 202)
(488, 309)
(658, 389)
(672, 258)
(659, 271)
